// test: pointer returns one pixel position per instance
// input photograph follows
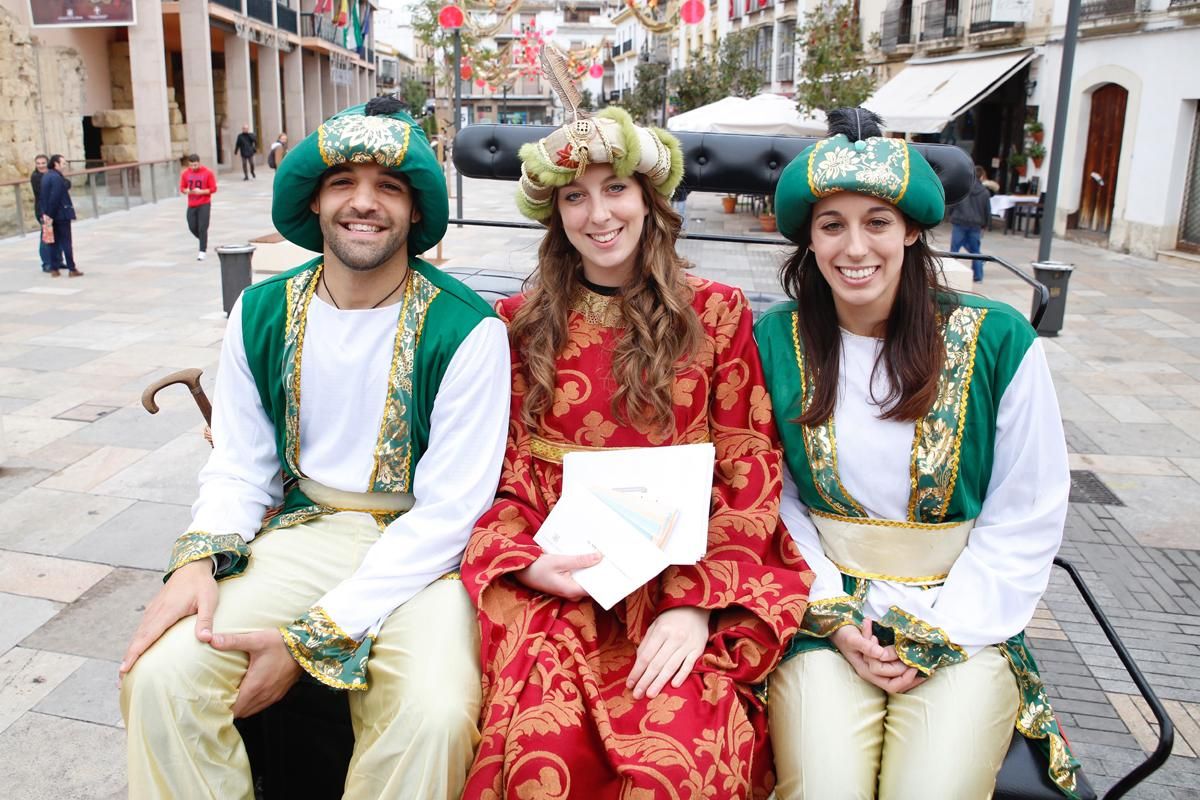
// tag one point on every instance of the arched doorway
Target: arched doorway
(1106, 126)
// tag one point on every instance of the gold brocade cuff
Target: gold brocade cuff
(823, 617)
(232, 552)
(328, 653)
(921, 645)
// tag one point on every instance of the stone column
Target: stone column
(148, 67)
(329, 90)
(198, 80)
(293, 89)
(269, 93)
(237, 94)
(314, 107)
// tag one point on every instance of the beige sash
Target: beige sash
(914, 553)
(366, 502)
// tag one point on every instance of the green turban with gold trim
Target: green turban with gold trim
(391, 139)
(885, 168)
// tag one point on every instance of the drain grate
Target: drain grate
(1087, 488)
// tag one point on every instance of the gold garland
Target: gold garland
(669, 23)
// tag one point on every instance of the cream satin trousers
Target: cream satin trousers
(838, 737)
(416, 727)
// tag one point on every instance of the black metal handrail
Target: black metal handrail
(1166, 729)
(1042, 294)
(981, 17)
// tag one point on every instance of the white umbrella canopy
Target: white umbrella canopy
(765, 114)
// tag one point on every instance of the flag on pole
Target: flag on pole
(342, 19)
(323, 7)
(356, 26)
(363, 30)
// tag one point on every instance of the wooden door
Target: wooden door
(1189, 223)
(1105, 129)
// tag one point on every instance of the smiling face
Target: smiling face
(603, 217)
(858, 242)
(366, 212)
(40, 164)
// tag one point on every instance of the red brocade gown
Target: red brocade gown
(558, 721)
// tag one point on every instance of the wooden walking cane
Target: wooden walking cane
(189, 378)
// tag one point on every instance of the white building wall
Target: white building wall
(1159, 117)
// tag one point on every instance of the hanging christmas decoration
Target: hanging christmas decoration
(597, 71)
(655, 16)
(692, 11)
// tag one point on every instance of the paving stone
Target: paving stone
(56, 579)
(27, 676)
(100, 623)
(21, 616)
(89, 694)
(24, 519)
(141, 536)
(39, 767)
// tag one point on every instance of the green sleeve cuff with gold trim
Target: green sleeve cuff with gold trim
(823, 617)
(328, 653)
(231, 550)
(921, 645)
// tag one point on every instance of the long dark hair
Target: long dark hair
(913, 349)
(661, 332)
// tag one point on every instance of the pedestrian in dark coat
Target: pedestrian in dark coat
(246, 146)
(968, 218)
(54, 207)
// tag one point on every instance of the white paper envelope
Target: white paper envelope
(581, 522)
(679, 476)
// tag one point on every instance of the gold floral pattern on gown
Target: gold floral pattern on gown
(558, 721)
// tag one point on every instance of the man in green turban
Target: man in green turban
(370, 464)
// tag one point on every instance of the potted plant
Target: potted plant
(767, 218)
(1036, 153)
(1018, 160)
(1035, 130)
(729, 203)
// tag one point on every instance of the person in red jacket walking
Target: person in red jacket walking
(198, 183)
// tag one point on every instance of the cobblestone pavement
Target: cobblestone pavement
(93, 490)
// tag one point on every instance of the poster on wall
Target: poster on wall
(81, 13)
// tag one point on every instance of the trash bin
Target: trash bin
(1055, 275)
(235, 272)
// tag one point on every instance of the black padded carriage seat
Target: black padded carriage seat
(282, 735)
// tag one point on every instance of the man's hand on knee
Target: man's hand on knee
(191, 589)
(271, 672)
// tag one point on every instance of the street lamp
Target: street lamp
(451, 18)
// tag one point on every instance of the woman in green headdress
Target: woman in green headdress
(932, 515)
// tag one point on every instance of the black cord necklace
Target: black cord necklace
(377, 305)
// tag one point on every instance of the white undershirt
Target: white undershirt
(344, 374)
(997, 580)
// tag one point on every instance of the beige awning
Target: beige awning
(929, 93)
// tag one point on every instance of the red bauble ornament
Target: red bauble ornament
(466, 72)
(479, 84)
(451, 17)
(597, 70)
(692, 11)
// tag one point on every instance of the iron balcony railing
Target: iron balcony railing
(981, 17)
(232, 5)
(287, 18)
(895, 29)
(1090, 9)
(261, 10)
(939, 20)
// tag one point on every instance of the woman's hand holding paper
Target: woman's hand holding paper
(551, 574)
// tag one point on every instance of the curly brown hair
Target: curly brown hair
(661, 332)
